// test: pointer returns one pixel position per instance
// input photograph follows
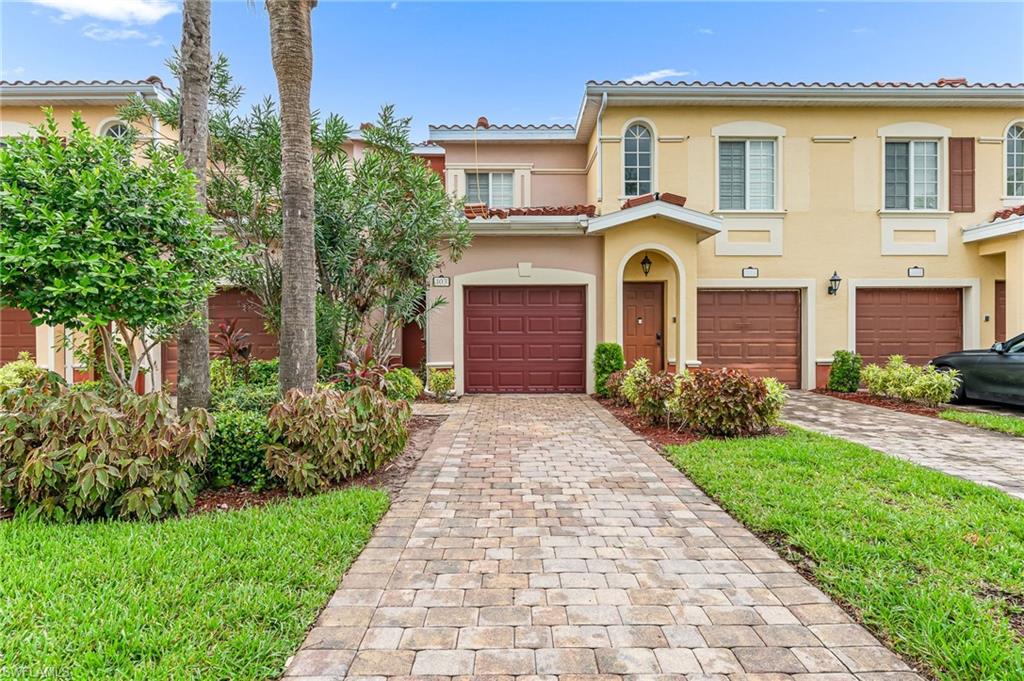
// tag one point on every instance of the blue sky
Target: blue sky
(523, 62)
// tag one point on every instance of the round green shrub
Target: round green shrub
(608, 359)
(237, 449)
(442, 382)
(245, 397)
(403, 384)
(844, 376)
(21, 371)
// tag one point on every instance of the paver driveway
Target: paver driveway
(540, 538)
(983, 456)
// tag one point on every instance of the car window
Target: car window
(1017, 346)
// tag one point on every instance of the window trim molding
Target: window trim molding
(747, 130)
(1004, 194)
(647, 123)
(522, 176)
(912, 131)
(107, 123)
(941, 182)
(490, 186)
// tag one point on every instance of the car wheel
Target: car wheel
(959, 395)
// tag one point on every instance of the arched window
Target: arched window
(1015, 161)
(118, 130)
(636, 162)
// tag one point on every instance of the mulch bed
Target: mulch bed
(390, 477)
(657, 436)
(885, 402)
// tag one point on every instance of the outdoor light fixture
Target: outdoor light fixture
(645, 264)
(833, 283)
(750, 272)
(915, 272)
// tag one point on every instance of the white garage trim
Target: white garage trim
(807, 317)
(539, 276)
(971, 293)
(680, 357)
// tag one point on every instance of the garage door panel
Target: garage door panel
(17, 335)
(754, 330)
(918, 323)
(538, 337)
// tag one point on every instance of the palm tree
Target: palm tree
(291, 47)
(194, 127)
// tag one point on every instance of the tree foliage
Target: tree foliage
(92, 240)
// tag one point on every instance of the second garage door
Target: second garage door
(918, 323)
(754, 330)
(521, 339)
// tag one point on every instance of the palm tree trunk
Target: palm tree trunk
(194, 338)
(291, 47)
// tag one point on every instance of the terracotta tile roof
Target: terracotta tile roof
(479, 210)
(491, 126)
(942, 82)
(674, 199)
(1007, 213)
(152, 80)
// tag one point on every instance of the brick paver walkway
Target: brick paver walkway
(984, 456)
(540, 539)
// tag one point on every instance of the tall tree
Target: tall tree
(194, 76)
(291, 46)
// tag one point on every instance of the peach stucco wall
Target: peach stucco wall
(575, 253)
(548, 188)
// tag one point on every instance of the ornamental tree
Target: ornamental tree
(95, 242)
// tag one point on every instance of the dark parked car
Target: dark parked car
(994, 375)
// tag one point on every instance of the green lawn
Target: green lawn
(932, 562)
(215, 596)
(1004, 423)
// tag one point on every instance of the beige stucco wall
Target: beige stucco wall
(571, 253)
(555, 172)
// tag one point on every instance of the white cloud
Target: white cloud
(660, 74)
(104, 34)
(123, 11)
(705, 31)
(394, 5)
(12, 72)
(859, 30)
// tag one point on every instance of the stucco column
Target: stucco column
(1015, 286)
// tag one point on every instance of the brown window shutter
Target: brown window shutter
(961, 174)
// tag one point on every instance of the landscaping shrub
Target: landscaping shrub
(608, 359)
(403, 384)
(237, 449)
(844, 376)
(324, 437)
(21, 371)
(639, 373)
(652, 395)
(263, 371)
(245, 397)
(87, 454)
(728, 402)
(442, 382)
(910, 383)
(614, 387)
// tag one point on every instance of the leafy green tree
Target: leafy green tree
(93, 241)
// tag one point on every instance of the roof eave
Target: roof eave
(992, 230)
(707, 225)
(71, 93)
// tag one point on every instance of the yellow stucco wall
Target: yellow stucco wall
(831, 195)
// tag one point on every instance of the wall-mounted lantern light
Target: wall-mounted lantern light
(750, 272)
(915, 272)
(833, 283)
(645, 264)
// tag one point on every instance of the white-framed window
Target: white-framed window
(637, 152)
(119, 130)
(911, 175)
(1015, 161)
(491, 188)
(746, 174)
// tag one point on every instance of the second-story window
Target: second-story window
(912, 175)
(493, 189)
(1015, 161)
(746, 174)
(117, 130)
(636, 161)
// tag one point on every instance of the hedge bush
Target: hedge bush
(652, 396)
(902, 381)
(238, 449)
(637, 374)
(403, 384)
(324, 437)
(844, 376)
(442, 382)
(728, 402)
(608, 359)
(72, 455)
(614, 386)
(21, 371)
(245, 397)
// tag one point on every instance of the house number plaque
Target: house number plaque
(441, 281)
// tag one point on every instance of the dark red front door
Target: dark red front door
(525, 339)
(643, 332)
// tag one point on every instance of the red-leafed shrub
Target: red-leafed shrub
(652, 396)
(728, 402)
(614, 387)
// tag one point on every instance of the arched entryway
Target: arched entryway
(651, 317)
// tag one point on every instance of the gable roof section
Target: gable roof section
(669, 206)
(29, 92)
(1004, 222)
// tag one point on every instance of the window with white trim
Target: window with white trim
(636, 160)
(912, 175)
(746, 174)
(493, 189)
(1015, 161)
(118, 130)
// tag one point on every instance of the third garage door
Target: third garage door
(750, 329)
(918, 323)
(525, 339)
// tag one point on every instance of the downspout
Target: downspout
(600, 156)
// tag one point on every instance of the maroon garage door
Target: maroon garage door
(17, 334)
(754, 330)
(918, 323)
(525, 339)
